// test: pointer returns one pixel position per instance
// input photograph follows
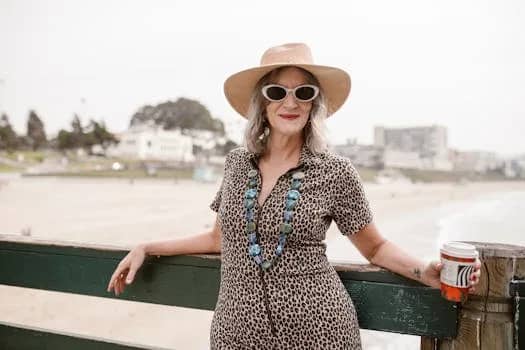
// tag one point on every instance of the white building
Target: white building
(418, 147)
(205, 139)
(154, 143)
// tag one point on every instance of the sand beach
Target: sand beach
(417, 217)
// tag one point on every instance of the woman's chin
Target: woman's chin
(288, 132)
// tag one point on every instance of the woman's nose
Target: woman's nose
(289, 101)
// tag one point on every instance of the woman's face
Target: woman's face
(289, 116)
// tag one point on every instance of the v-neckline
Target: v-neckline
(304, 158)
(295, 168)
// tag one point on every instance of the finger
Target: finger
(475, 275)
(111, 285)
(115, 285)
(477, 265)
(111, 282)
(437, 265)
(474, 279)
(122, 286)
(131, 275)
(114, 277)
(120, 289)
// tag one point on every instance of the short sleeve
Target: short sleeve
(216, 203)
(351, 210)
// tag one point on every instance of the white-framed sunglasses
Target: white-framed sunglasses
(302, 93)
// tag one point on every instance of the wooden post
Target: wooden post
(487, 318)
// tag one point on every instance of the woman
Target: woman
(275, 204)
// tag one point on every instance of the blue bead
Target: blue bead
(251, 193)
(249, 215)
(252, 237)
(279, 250)
(290, 204)
(255, 249)
(293, 194)
(282, 239)
(288, 216)
(252, 182)
(296, 184)
(249, 203)
(258, 259)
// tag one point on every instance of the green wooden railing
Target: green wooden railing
(384, 301)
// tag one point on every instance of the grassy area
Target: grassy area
(8, 169)
(28, 156)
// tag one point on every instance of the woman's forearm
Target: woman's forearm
(393, 258)
(198, 244)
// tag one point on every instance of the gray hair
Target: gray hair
(255, 140)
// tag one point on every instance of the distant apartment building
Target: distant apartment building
(477, 161)
(154, 143)
(417, 147)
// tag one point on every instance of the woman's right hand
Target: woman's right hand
(126, 269)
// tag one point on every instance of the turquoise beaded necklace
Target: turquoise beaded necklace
(286, 228)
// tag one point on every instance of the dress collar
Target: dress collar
(306, 158)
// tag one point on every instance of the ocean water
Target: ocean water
(499, 217)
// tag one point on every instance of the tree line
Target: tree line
(183, 114)
(79, 136)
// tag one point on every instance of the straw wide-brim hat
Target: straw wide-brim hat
(335, 82)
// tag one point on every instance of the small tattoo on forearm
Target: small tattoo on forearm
(417, 273)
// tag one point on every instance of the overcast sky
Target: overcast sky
(454, 63)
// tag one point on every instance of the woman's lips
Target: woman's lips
(289, 116)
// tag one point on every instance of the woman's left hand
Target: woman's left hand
(430, 275)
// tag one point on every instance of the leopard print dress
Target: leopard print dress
(300, 302)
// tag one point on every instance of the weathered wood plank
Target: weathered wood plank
(519, 321)
(385, 301)
(17, 337)
(403, 309)
(167, 281)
